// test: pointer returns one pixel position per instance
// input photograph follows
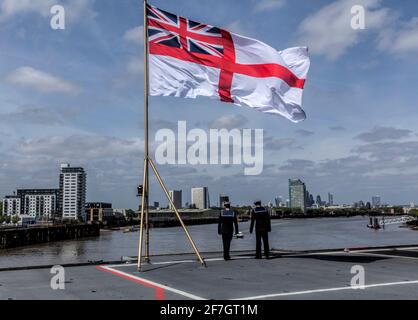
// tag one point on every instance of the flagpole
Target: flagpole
(145, 199)
(147, 163)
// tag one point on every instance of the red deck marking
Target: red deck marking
(159, 292)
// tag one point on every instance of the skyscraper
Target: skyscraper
(318, 200)
(176, 197)
(376, 201)
(297, 194)
(279, 202)
(309, 199)
(72, 191)
(200, 198)
(330, 199)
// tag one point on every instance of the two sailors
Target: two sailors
(260, 221)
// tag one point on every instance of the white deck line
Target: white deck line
(382, 255)
(286, 294)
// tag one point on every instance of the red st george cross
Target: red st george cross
(180, 38)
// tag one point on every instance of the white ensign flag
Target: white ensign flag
(188, 59)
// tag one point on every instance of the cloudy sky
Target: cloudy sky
(76, 96)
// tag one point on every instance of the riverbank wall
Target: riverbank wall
(19, 237)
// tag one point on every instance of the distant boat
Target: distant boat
(131, 229)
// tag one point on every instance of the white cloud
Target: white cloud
(81, 147)
(384, 133)
(79, 9)
(41, 81)
(74, 9)
(135, 35)
(266, 5)
(305, 133)
(328, 31)
(44, 116)
(230, 121)
(9, 8)
(271, 143)
(401, 40)
(237, 27)
(136, 65)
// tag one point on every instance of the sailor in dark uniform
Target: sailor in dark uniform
(261, 218)
(227, 222)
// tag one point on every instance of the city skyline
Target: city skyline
(75, 96)
(177, 196)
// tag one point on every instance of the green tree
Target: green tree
(297, 212)
(413, 212)
(398, 210)
(131, 214)
(15, 219)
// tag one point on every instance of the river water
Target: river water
(292, 234)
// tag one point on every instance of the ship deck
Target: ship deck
(390, 273)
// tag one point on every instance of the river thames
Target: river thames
(291, 234)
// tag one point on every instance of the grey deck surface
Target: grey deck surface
(324, 275)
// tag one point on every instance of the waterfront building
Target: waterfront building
(72, 191)
(26, 220)
(38, 203)
(33, 203)
(176, 197)
(200, 198)
(297, 194)
(11, 205)
(120, 212)
(98, 211)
